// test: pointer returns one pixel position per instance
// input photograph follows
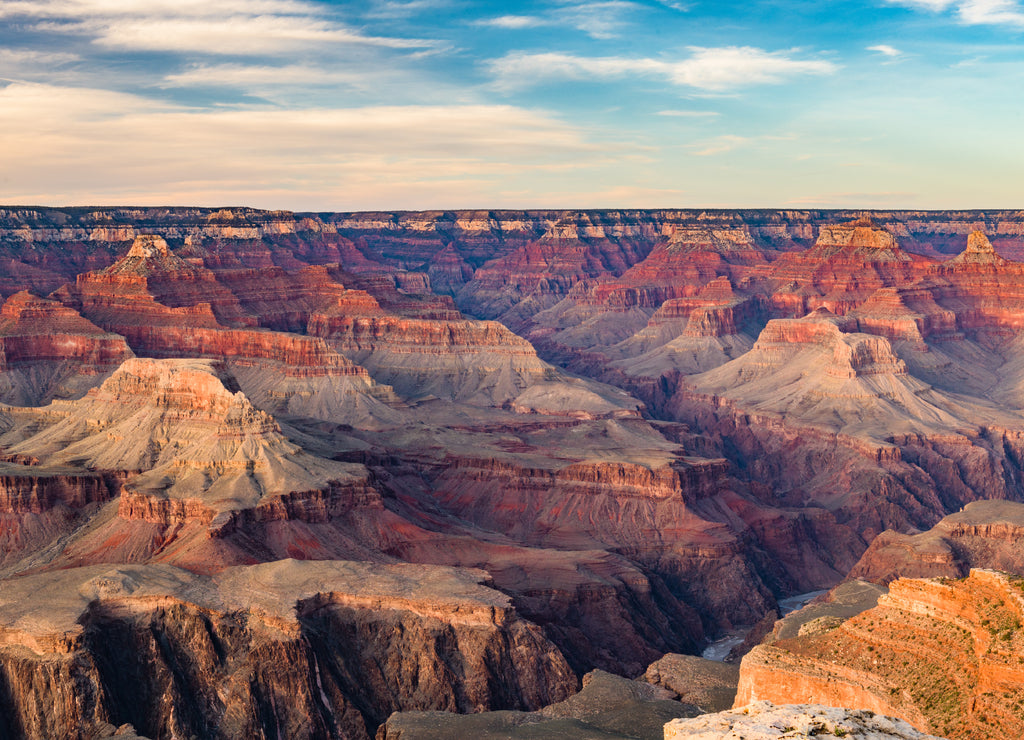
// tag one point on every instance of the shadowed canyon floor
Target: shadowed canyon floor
(519, 446)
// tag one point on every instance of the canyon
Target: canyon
(476, 461)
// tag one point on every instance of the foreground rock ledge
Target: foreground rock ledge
(294, 649)
(764, 721)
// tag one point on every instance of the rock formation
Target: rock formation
(608, 706)
(708, 684)
(765, 721)
(984, 534)
(48, 351)
(944, 655)
(757, 395)
(293, 649)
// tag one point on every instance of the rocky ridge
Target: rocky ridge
(941, 654)
(110, 646)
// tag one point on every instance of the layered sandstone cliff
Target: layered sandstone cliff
(942, 654)
(286, 649)
(49, 351)
(984, 534)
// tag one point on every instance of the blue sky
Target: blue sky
(420, 104)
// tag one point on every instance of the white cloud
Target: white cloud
(600, 20)
(166, 8)
(737, 66)
(707, 69)
(974, 12)
(19, 64)
(228, 27)
(886, 50)
(264, 80)
(994, 12)
(513, 21)
(93, 146)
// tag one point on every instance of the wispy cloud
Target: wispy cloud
(513, 21)
(994, 12)
(87, 145)
(715, 69)
(886, 50)
(254, 77)
(404, 8)
(229, 27)
(719, 145)
(973, 12)
(599, 20)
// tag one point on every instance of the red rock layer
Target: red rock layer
(36, 330)
(655, 517)
(351, 332)
(28, 490)
(944, 655)
(716, 311)
(846, 265)
(984, 534)
(691, 258)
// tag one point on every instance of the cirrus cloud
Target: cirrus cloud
(973, 12)
(246, 27)
(76, 145)
(712, 69)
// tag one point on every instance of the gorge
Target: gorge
(266, 474)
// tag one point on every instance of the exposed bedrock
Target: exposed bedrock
(49, 351)
(943, 655)
(288, 649)
(906, 482)
(663, 519)
(608, 707)
(984, 534)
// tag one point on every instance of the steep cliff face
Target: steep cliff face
(943, 655)
(39, 505)
(48, 351)
(287, 649)
(984, 534)
(666, 519)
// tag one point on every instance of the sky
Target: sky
(313, 105)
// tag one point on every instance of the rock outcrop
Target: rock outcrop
(984, 534)
(287, 649)
(710, 685)
(944, 655)
(608, 706)
(765, 721)
(48, 351)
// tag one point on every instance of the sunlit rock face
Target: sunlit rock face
(944, 655)
(607, 437)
